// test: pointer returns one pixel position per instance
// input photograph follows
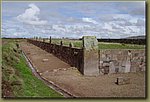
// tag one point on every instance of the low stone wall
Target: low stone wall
(85, 59)
(121, 61)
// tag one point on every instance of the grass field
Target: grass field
(101, 45)
(17, 77)
(104, 45)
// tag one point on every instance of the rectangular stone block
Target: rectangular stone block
(91, 57)
(122, 80)
(112, 68)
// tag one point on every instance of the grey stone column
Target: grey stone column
(90, 56)
(50, 40)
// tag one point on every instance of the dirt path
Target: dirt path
(69, 78)
(42, 60)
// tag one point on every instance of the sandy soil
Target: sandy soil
(70, 79)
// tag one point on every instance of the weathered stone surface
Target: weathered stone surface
(112, 68)
(127, 66)
(91, 60)
(55, 70)
(122, 80)
(124, 61)
(28, 53)
(45, 60)
(71, 45)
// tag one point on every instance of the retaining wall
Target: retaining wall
(70, 55)
(121, 61)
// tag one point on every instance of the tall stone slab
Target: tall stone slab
(112, 68)
(128, 62)
(128, 66)
(90, 49)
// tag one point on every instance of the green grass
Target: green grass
(18, 76)
(101, 45)
(32, 86)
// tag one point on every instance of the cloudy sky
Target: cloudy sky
(73, 19)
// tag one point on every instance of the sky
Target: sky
(73, 19)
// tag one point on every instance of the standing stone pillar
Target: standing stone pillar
(39, 39)
(50, 40)
(71, 45)
(90, 56)
(61, 50)
(36, 38)
(128, 62)
(112, 68)
(70, 56)
(128, 65)
(43, 40)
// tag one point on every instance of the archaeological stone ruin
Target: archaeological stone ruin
(91, 61)
(121, 61)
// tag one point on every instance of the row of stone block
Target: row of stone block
(122, 61)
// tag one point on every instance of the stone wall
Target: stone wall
(70, 55)
(91, 62)
(121, 61)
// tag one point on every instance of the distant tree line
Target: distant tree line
(125, 41)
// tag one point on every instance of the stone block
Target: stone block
(122, 80)
(112, 68)
(91, 57)
(127, 66)
(45, 60)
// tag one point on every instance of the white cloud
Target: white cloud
(59, 28)
(30, 16)
(140, 22)
(102, 24)
(90, 20)
(108, 26)
(12, 29)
